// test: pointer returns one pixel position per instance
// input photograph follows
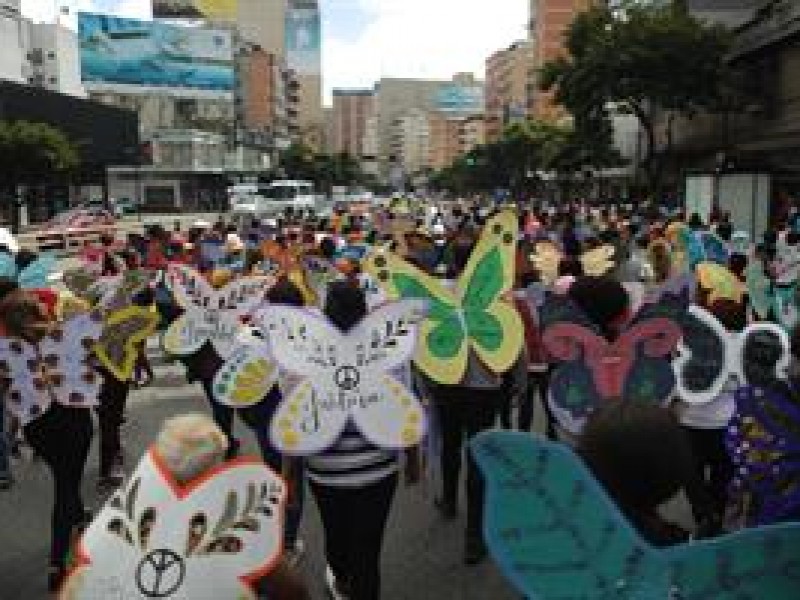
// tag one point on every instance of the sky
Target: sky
(364, 40)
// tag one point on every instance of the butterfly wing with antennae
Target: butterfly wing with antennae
(763, 440)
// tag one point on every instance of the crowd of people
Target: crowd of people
(492, 299)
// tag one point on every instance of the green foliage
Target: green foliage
(524, 149)
(32, 151)
(301, 162)
(646, 60)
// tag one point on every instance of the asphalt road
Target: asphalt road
(422, 553)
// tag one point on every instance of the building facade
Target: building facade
(550, 20)
(349, 114)
(508, 90)
(303, 43)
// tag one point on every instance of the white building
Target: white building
(13, 42)
(44, 55)
(411, 140)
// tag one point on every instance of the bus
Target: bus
(258, 199)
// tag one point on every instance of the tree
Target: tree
(655, 62)
(31, 152)
(301, 162)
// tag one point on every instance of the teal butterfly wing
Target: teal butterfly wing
(8, 266)
(37, 274)
(553, 530)
(752, 564)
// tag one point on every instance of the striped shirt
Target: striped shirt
(351, 462)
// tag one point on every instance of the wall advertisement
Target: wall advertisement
(303, 40)
(130, 51)
(196, 9)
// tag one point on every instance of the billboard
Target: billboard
(130, 51)
(303, 40)
(217, 10)
(459, 98)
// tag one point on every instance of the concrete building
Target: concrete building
(44, 55)
(266, 97)
(14, 36)
(263, 22)
(350, 111)
(549, 22)
(508, 90)
(303, 42)
(395, 98)
(410, 143)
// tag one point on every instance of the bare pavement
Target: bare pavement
(422, 553)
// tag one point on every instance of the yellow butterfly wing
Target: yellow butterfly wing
(495, 329)
(123, 331)
(245, 378)
(721, 283)
(546, 260)
(442, 350)
(599, 261)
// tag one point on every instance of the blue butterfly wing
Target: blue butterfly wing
(752, 564)
(36, 274)
(714, 248)
(763, 441)
(553, 530)
(8, 266)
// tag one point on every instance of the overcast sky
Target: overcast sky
(364, 40)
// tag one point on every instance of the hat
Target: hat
(200, 224)
(233, 243)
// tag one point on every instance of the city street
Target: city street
(422, 553)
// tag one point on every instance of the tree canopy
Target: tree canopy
(301, 162)
(30, 152)
(649, 61)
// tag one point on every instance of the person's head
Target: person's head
(7, 285)
(189, 445)
(737, 263)
(603, 300)
(345, 304)
(725, 231)
(286, 293)
(24, 316)
(661, 260)
(327, 247)
(639, 454)
(25, 257)
(730, 313)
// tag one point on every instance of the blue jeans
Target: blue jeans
(258, 418)
(5, 466)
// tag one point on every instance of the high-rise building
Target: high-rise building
(508, 87)
(263, 22)
(549, 22)
(350, 112)
(13, 34)
(395, 98)
(303, 43)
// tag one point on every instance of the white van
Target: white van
(257, 199)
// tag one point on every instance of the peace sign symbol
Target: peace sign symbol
(347, 378)
(160, 574)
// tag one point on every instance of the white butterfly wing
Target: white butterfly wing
(188, 286)
(201, 541)
(27, 397)
(243, 296)
(67, 354)
(388, 414)
(387, 337)
(247, 375)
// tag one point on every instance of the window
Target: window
(52, 81)
(51, 55)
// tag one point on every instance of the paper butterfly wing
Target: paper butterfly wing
(27, 396)
(599, 261)
(552, 529)
(714, 248)
(759, 289)
(494, 327)
(546, 260)
(123, 332)
(443, 349)
(752, 563)
(765, 354)
(704, 361)
(247, 375)
(720, 282)
(188, 286)
(650, 342)
(207, 540)
(387, 413)
(763, 440)
(66, 353)
(37, 274)
(189, 332)
(314, 413)
(8, 266)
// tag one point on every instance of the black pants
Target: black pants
(713, 465)
(61, 437)
(355, 520)
(110, 416)
(463, 413)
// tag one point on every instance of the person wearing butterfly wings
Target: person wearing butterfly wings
(471, 342)
(50, 387)
(349, 414)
